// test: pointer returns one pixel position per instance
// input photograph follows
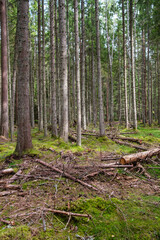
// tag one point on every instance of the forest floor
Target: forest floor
(113, 202)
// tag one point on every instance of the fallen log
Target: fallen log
(66, 213)
(139, 156)
(110, 158)
(6, 171)
(67, 175)
(129, 145)
(121, 133)
(129, 139)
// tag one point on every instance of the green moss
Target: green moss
(16, 233)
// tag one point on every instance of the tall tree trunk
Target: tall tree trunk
(125, 68)
(43, 73)
(53, 82)
(4, 71)
(110, 55)
(58, 98)
(144, 95)
(101, 114)
(31, 77)
(77, 73)
(94, 95)
(83, 67)
(40, 120)
(149, 81)
(24, 141)
(63, 70)
(133, 67)
(13, 87)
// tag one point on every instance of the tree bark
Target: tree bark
(53, 82)
(101, 114)
(4, 71)
(125, 68)
(83, 67)
(77, 73)
(24, 141)
(133, 67)
(40, 120)
(63, 70)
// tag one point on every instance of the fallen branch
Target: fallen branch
(10, 187)
(5, 193)
(103, 166)
(14, 177)
(143, 170)
(67, 175)
(129, 145)
(66, 213)
(129, 139)
(6, 171)
(139, 156)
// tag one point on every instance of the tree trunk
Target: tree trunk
(125, 68)
(63, 70)
(133, 67)
(24, 141)
(4, 71)
(40, 120)
(43, 73)
(53, 82)
(77, 73)
(83, 67)
(101, 114)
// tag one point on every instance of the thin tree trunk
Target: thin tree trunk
(4, 72)
(43, 73)
(63, 70)
(40, 120)
(101, 114)
(125, 68)
(133, 67)
(77, 73)
(83, 67)
(53, 82)
(144, 95)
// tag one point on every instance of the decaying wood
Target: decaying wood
(67, 175)
(7, 222)
(103, 166)
(14, 177)
(5, 193)
(6, 171)
(129, 145)
(129, 139)
(66, 213)
(72, 138)
(9, 186)
(143, 170)
(121, 133)
(139, 156)
(110, 158)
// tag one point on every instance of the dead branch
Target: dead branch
(139, 156)
(129, 139)
(66, 175)
(5, 193)
(143, 170)
(103, 166)
(6, 171)
(129, 144)
(66, 213)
